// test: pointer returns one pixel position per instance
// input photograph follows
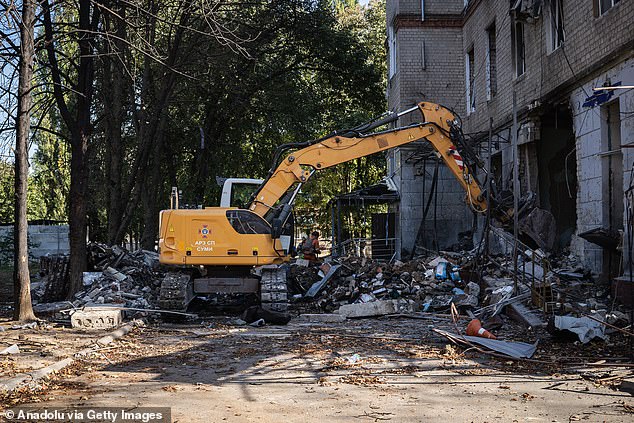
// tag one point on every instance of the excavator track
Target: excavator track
(177, 291)
(274, 290)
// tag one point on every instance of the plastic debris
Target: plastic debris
(584, 327)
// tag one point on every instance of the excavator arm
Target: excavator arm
(438, 127)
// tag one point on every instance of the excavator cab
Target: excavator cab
(236, 192)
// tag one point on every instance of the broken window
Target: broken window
(602, 6)
(612, 165)
(557, 34)
(391, 42)
(492, 74)
(518, 48)
(470, 80)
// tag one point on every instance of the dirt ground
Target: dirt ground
(403, 372)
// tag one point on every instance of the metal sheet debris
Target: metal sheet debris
(512, 349)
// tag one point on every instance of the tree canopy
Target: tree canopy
(144, 95)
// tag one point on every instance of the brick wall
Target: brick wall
(430, 68)
(588, 42)
(597, 50)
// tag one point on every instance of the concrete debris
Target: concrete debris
(91, 277)
(31, 325)
(355, 280)
(119, 277)
(96, 318)
(376, 308)
(13, 349)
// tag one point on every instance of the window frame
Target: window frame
(470, 80)
(557, 29)
(491, 64)
(515, 47)
(246, 222)
(392, 51)
(599, 5)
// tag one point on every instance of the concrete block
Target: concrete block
(96, 318)
(321, 318)
(375, 308)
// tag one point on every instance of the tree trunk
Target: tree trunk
(79, 126)
(115, 115)
(23, 310)
(77, 214)
(151, 200)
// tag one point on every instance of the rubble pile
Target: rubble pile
(426, 283)
(480, 286)
(117, 276)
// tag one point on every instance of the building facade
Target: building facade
(573, 142)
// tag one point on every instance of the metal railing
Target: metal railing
(532, 270)
(374, 248)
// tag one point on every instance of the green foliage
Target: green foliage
(6, 192)
(36, 198)
(280, 71)
(50, 178)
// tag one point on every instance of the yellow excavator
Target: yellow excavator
(240, 250)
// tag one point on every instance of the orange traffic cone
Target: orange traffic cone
(475, 329)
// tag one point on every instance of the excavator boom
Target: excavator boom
(260, 235)
(297, 167)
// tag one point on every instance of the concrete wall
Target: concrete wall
(590, 162)
(47, 239)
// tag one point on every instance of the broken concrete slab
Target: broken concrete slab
(90, 277)
(517, 311)
(115, 274)
(520, 313)
(96, 318)
(376, 308)
(317, 286)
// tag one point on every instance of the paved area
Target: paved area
(365, 370)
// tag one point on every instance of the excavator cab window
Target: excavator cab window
(246, 222)
(241, 194)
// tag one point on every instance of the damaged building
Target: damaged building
(572, 140)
